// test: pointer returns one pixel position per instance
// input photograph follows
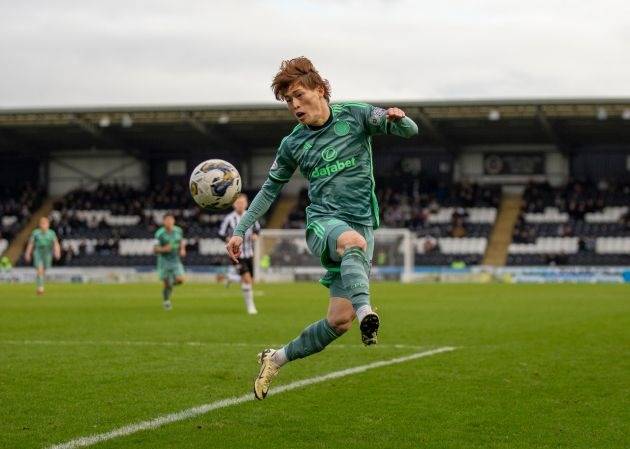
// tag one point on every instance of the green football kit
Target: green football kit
(43, 242)
(169, 265)
(336, 159)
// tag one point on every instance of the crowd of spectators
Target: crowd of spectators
(576, 199)
(93, 237)
(410, 205)
(573, 202)
(17, 204)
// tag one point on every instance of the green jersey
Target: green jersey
(336, 158)
(43, 241)
(173, 238)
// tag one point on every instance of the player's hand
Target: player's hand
(57, 255)
(182, 252)
(27, 258)
(395, 114)
(233, 247)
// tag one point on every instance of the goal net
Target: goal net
(282, 256)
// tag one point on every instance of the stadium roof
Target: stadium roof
(452, 125)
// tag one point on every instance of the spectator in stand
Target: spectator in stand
(458, 228)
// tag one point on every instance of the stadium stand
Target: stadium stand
(582, 223)
(17, 204)
(113, 225)
(452, 222)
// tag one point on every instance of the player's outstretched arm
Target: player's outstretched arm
(29, 251)
(260, 204)
(56, 250)
(399, 124)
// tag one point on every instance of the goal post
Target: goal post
(282, 255)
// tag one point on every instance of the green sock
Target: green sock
(166, 293)
(39, 280)
(312, 339)
(355, 270)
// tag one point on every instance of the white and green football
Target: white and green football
(215, 184)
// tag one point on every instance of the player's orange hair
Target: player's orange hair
(299, 70)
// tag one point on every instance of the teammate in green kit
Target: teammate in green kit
(170, 247)
(332, 147)
(42, 246)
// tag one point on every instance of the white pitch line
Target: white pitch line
(228, 402)
(175, 343)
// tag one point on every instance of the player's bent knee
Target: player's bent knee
(340, 323)
(350, 239)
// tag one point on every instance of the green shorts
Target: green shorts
(42, 259)
(169, 270)
(321, 238)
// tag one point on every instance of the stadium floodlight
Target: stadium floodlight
(625, 114)
(104, 121)
(494, 115)
(602, 113)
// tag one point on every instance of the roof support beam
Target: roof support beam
(196, 124)
(87, 127)
(547, 127)
(433, 132)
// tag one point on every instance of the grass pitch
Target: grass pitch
(537, 366)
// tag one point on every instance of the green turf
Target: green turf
(536, 367)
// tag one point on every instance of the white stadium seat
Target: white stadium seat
(211, 247)
(606, 215)
(136, 247)
(612, 245)
(546, 245)
(475, 215)
(482, 214)
(550, 215)
(8, 220)
(472, 245)
(75, 243)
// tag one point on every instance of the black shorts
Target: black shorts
(245, 265)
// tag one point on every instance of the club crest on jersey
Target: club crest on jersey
(376, 116)
(329, 154)
(341, 128)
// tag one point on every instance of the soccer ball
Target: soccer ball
(215, 184)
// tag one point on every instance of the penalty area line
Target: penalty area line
(228, 402)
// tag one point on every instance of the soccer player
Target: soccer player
(332, 147)
(170, 247)
(244, 265)
(42, 246)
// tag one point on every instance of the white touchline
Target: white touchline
(205, 408)
(177, 343)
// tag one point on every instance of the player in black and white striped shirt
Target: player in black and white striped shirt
(245, 265)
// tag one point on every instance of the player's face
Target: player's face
(44, 224)
(307, 105)
(169, 222)
(240, 205)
